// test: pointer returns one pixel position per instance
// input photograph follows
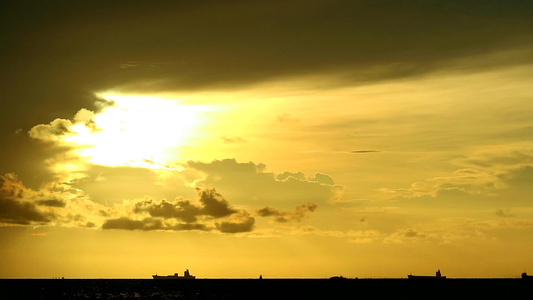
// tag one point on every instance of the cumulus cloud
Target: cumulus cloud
(19, 205)
(211, 204)
(21, 212)
(214, 204)
(51, 132)
(179, 209)
(247, 183)
(86, 117)
(296, 215)
(243, 222)
(71, 202)
(484, 175)
(128, 224)
(61, 128)
(211, 211)
(51, 205)
(52, 202)
(66, 204)
(182, 214)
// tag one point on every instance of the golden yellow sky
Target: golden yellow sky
(354, 138)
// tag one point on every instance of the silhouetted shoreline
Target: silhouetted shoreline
(267, 288)
(273, 278)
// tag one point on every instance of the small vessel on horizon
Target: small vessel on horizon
(186, 275)
(437, 276)
(525, 276)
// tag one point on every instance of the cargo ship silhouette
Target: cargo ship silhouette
(186, 275)
(437, 276)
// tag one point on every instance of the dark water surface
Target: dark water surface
(265, 289)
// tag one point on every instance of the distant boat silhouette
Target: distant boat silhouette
(186, 275)
(525, 276)
(337, 277)
(437, 276)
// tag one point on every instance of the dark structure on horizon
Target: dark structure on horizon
(186, 275)
(437, 276)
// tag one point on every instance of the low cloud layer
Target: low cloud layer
(296, 215)
(484, 175)
(243, 222)
(248, 186)
(248, 183)
(210, 212)
(212, 204)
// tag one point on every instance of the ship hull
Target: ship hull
(172, 277)
(425, 277)
(186, 275)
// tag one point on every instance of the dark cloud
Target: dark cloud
(410, 233)
(243, 223)
(29, 159)
(91, 45)
(268, 211)
(52, 203)
(182, 214)
(11, 187)
(179, 209)
(295, 215)
(364, 151)
(190, 226)
(19, 212)
(128, 224)
(54, 56)
(16, 205)
(148, 224)
(90, 225)
(212, 204)
(504, 213)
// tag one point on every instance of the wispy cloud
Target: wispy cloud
(364, 151)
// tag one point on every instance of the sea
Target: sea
(266, 288)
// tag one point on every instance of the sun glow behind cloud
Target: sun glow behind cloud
(137, 131)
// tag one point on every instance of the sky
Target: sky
(291, 139)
